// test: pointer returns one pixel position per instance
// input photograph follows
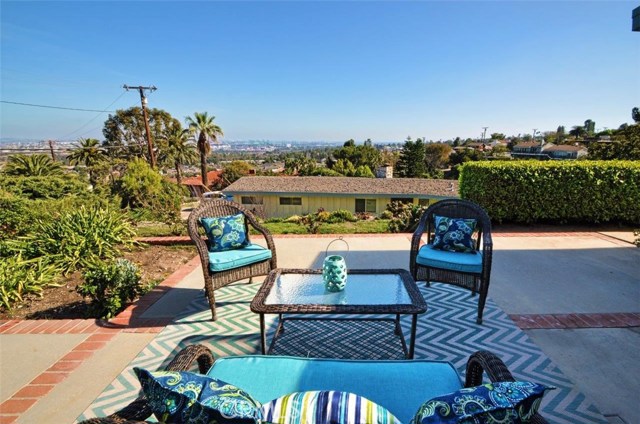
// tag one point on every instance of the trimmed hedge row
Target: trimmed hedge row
(563, 191)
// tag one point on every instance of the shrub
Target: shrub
(142, 189)
(110, 285)
(311, 222)
(77, 239)
(386, 214)
(342, 215)
(323, 216)
(44, 187)
(560, 191)
(293, 219)
(20, 278)
(405, 216)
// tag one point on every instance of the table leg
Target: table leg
(398, 329)
(263, 336)
(412, 341)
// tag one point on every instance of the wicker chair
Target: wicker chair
(477, 280)
(215, 280)
(479, 365)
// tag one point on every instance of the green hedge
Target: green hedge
(43, 187)
(562, 191)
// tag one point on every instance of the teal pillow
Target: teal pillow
(506, 402)
(184, 397)
(225, 232)
(325, 407)
(454, 234)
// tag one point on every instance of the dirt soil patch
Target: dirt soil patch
(64, 302)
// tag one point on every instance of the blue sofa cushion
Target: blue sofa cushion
(506, 402)
(184, 397)
(454, 234)
(230, 259)
(399, 386)
(225, 232)
(454, 261)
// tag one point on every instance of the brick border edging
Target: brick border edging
(99, 334)
(575, 321)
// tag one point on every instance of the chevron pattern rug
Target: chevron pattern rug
(446, 332)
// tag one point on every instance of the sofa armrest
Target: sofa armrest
(139, 409)
(486, 362)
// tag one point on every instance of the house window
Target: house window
(366, 205)
(291, 200)
(251, 200)
(424, 202)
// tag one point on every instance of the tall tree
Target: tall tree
(178, 150)
(437, 156)
(560, 134)
(589, 127)
(89, 152)
(411, 163)
(124, 132)
(577, 131)
(202, 127)
(635, 114)
(32, 166)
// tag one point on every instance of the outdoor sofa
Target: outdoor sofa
(399, 386)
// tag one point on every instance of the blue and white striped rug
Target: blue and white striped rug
(446, 332)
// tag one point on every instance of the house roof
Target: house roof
(565, 148)
(197, 180)
(342, 186)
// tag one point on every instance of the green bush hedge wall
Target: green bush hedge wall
(43, 187)
(561, 192)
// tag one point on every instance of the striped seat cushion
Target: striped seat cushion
(325, 407)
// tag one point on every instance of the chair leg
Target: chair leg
(481, 301)
(212, 303)
(250, 280)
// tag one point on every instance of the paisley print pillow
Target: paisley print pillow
(325, 407)
(453, 234)
(184, 397)
(507, 402)
(225, 232)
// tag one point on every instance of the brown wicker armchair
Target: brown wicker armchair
(215, 280)
(479, 365)
(474, 278)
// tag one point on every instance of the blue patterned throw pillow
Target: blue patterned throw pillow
(506, 402)
(225, 232)
(189, 398)
(325, 407)
(454, 234)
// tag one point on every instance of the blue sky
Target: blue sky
(322, 70)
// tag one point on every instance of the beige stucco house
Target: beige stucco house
(286, 196)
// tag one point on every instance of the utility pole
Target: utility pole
(53, 155)
(484, 133)
(143, 101)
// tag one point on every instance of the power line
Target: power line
(94, 118)
(55, 107)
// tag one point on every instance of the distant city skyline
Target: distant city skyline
(321, 71)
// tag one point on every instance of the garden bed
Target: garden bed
(63, 302)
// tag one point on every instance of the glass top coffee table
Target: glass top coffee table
(301, 293)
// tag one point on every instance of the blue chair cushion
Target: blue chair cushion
(454, 261)
(185, 397)
(325, 407)
(506, 402)
(399, 386)
(230, 259)
(225, 232)
(454, 234)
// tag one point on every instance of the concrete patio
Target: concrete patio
(576, 295)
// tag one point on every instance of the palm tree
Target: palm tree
(178, 150)
(32, 166)
(577, 131)
(89, 152)
(202, 126)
